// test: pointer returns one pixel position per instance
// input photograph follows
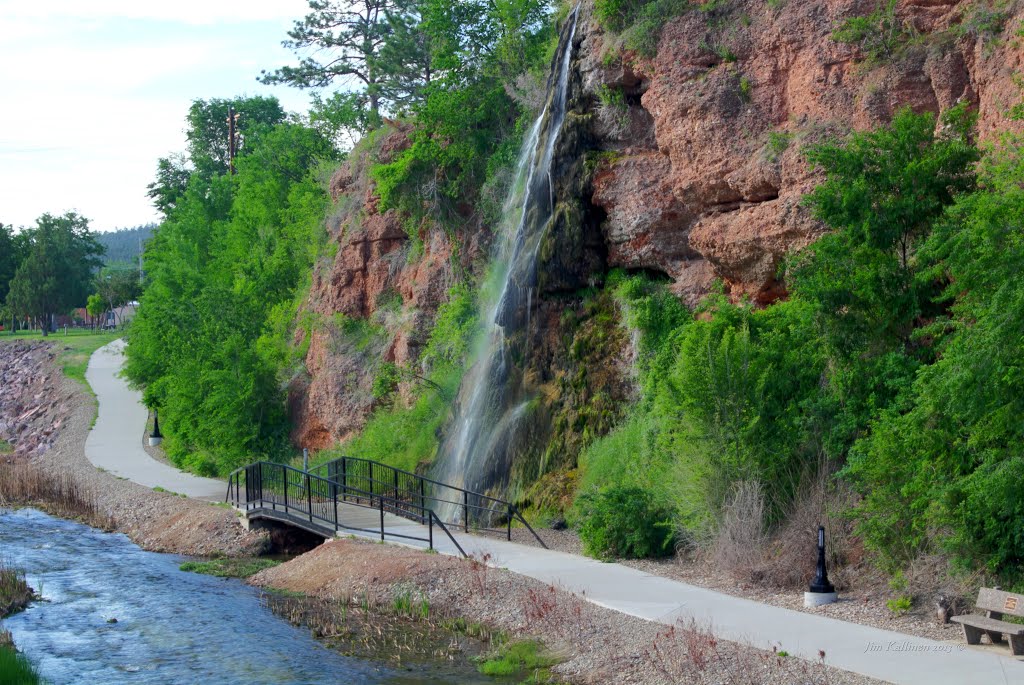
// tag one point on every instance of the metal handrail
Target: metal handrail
(319, 497)
(415, 488)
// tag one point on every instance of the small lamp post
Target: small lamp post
(155, 438)
(821, 590)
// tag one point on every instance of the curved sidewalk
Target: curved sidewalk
(115, 441)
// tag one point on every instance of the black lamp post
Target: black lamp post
(820, 583)
(155, 438)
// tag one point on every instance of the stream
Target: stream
(171, 626)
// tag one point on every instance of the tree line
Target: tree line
(54, 267)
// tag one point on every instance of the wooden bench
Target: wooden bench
(995, 603)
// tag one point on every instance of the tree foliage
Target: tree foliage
(210, 341)
(116, 285)
(465, 112)
(342, 42)
(206, 132)
(11, 250)
(55, 275)
(946, 457)
(896, 357)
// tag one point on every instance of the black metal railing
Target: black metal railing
(312, 501)
(409, 493)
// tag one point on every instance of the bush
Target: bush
(639, 21)
(624, 522)
(879, 35)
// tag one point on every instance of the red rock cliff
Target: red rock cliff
(710, 174)
(700, 172)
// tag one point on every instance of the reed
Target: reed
(14, 667)
(60, 494)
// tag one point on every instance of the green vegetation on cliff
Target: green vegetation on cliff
(229, 266)
(894, 363)
(406, 435)
(892, 368)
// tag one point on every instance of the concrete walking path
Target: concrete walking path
(882, 654)
(115, 442)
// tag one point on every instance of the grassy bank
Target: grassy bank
(229, 568)
(15, 669)
(15, 595)
(75, 348)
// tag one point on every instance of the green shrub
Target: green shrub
(778, 143)
(900, 605)
(984, 20)
(746, 89)
(639, 21)
(386, 380)
(879, 35)
(617, 15)
(624, 522)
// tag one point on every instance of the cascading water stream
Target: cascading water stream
(492, 404)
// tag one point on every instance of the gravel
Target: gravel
(598, 645)
(159, 522)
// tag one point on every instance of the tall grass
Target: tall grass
(15, 594)
(59, 494)
(15, 669)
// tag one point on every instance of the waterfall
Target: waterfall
(492, 404)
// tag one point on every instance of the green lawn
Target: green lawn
(75, 348)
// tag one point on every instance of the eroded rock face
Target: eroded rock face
(713, 189)
(372, 279)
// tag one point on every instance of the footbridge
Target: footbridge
(360, 496)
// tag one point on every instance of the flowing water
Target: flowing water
(492, 404)
(172, 626)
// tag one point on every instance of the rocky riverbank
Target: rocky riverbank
(34, 404)
(46, 417)
(596, 645)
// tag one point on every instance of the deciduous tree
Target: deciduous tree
(56, 273)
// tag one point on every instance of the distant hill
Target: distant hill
(125, 244)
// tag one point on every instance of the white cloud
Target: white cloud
(95, 92)
(185, 11)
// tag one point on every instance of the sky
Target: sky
(93, 92)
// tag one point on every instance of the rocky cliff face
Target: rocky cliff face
(374, 276)
(687, 163)
(708, 175)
